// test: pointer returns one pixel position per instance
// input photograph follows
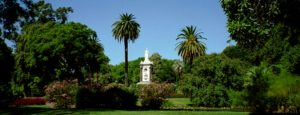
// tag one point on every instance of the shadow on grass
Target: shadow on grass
(48, 111)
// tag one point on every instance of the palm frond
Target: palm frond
(190, 45)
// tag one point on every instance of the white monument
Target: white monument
(145, 69)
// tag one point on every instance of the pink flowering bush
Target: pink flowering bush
(154, 95)
(62, 93)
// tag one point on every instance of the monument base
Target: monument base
(144, 82)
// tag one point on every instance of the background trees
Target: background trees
(126, 29)
(210, 79)
(6, 71)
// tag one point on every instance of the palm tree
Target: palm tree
(190, 45)
(123, 30)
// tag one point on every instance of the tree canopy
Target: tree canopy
(267, 28)
(14, 14)
(53, 51)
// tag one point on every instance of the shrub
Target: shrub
(204, 93)
(89, 95)
(154, 95)
(210, 96)
(291, 60)
(62, 93)
(236, 98)
(256, 85)
(283, 94)
(119, 96)
(111, 95)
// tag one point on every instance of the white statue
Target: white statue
(145, 66)
(146, 56)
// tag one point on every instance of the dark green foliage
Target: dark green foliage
(154, 95)
(119, 96)
(43, 12)
(283, 94)
(133, 72)
(10, 13)
(250, 21)
(236, 52)
(51, 51)
(203, 93)
(211, 77)
(89, 94)
(6, 70)
(162, 69)
(14, 14)
(93, 95)
(266, 29)
(211, 96)
(291, 60)
(267, 92)
(219, 69)
(237, 98)
(256, 86)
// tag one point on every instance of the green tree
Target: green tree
(6, 70)
(126, 29)
(266, 28)
(162, 69)
(14, 14)
(10, 13)
(210, 78)
(178, 69)
(53, 51)
(257, 84)
(133, 73)
(190, 46)
(43, 12)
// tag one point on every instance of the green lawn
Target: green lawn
(44, 110)
(178, 102)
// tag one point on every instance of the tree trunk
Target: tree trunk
(126, 61)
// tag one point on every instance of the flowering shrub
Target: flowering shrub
(62, 93)
(154, 95)
(30, 101)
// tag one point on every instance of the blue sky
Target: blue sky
(160, 21)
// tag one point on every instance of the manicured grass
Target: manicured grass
(44, 110)
(176, 102)
(179, 101)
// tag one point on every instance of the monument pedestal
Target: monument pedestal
(146, 69)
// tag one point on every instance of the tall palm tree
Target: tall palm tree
(123, 30)
(190, 45)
